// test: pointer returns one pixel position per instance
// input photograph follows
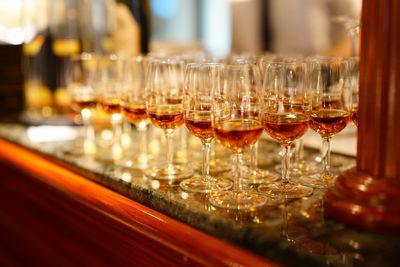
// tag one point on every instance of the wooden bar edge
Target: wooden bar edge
(161, 228)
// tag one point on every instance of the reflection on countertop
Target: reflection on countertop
(289, 232)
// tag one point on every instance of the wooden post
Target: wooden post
(368, 196)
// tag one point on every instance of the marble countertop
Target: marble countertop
(293, 233)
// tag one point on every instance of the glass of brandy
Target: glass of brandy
(236, 122)
(285, 119)
(254, 175)
(164, 107)
(328, 111)
(110, 80)
(299, 165)
(134, 106)
(353, 90)
(200, 81)
(81, 72)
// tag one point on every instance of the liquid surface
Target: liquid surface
(237, 134)
(166, 116)
(328, 122)
(286, 127)
(135, 113)
(199, 124)
(111, 106)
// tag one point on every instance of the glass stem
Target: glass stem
(326, 154)
(284, 232)
(285, 163)
(299, 155)
(254, 157)
(170, 147)
(142, 129)
(237, 159)
(89, 144)
(205, 171)
(116, 121)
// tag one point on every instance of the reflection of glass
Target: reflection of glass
(328, 115)
(285, 119)
(80, 81)
(200, 81)
(64, 31)
(38, 96)
(164, 107)
(236, 123)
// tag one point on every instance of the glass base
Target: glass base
(197, 184)
(322, 181)
(286, 190)
(84, 148)
(74, 150)
(141, 162)
(304, 168)
(169, 172)
(128, 174)
(237, 200)
(259, 176)
(216, 166)
(301, 168)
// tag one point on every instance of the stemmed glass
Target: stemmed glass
(200, 80)
(353, 89)
(253, 175)
(284, 119)
(81, 72)
(165, 109)
(299, 166)
(134, 106)
(236, 123)
(110, 84)
(328, 114)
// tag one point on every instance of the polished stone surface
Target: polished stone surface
(290, 232)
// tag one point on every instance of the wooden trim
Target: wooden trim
(186, 241)
(368, 196)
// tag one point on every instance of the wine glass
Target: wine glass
(110, 84)
(134, 106)
(200, 80)
(353, 89)
(165, 109)
(328, 113)
(253, 174)
(299, 166)
(284, 119)
(236, 123)
(80, 77)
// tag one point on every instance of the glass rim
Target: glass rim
(84, 56)
(241, 66)
(165, 60)
(326, 59)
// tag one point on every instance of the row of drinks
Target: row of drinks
(232, 101)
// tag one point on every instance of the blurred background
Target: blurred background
(38, 37)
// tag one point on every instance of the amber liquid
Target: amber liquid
(328, 122)
(135, 113)
(78, 105)
(174, 101)
(286, 127)
(166, 116)
(199, 124)
(111, 106)
(354, 116)
(237, 134)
